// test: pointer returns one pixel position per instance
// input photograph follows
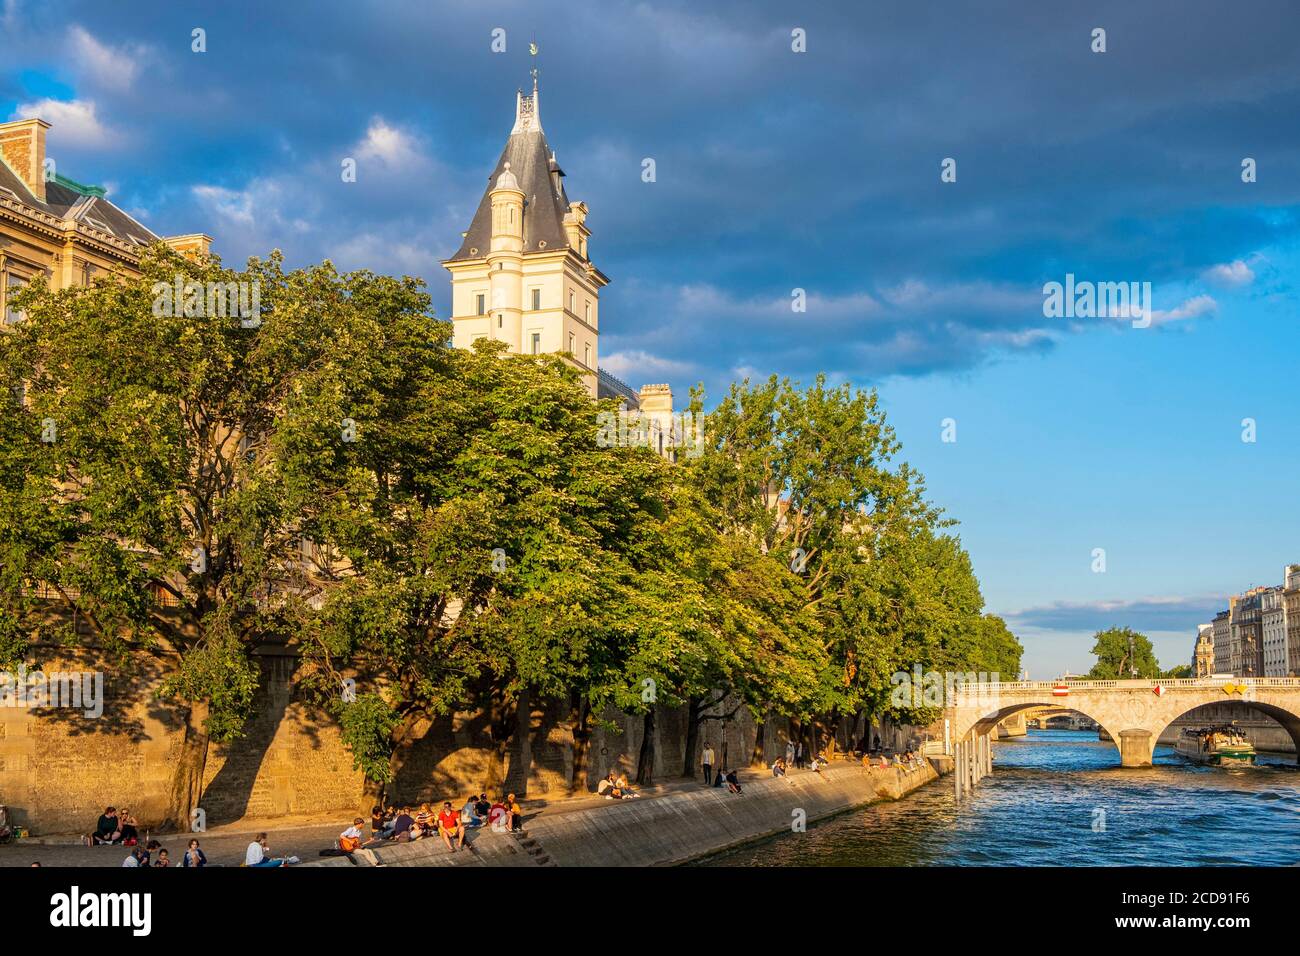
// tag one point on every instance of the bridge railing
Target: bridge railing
(1191, 683)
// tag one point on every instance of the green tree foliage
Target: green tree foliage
(435, 530)
(1123, 653)
(151, 470)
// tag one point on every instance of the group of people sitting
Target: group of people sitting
(613, 787)
(907, 760)
(114, 827)
(407, 823)
(143, 855)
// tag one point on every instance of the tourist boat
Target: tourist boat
(1222, 746)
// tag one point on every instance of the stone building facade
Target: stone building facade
(58, 227)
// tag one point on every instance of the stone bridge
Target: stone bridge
(1133, 712)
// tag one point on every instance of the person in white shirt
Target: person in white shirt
(706, 761)
(257, 854)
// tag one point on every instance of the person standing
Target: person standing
(706, 761)
(789, 753)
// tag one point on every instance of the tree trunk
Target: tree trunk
(187, 778)
(693, 707)
(645, 763)
(372, 795)
(503, 720)
(759, 756)
(581, 742)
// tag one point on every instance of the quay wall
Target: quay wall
(60, 768)
(660, 831)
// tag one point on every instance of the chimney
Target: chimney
(194, 246)
(22, 144)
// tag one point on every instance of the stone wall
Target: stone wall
(58, 769)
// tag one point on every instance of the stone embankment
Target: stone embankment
(673, 828)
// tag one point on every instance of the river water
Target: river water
(1060, 798)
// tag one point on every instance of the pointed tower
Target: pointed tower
(522, 274)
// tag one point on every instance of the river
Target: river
(1060, 798)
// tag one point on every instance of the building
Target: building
(524, 274)
(1272, 627)
(56, 226)
(1222, 643)
(1203, 651)
(1247, 638)
(1291, 618)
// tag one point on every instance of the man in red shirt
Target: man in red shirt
(449, 826)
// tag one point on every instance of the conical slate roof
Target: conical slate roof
(540, 179)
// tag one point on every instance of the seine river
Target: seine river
(1059, 798)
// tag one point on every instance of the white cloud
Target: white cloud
(1235, 273)
(1190, 309)
(75, 121)
(389, 145)
(258, 209)
(113, 68)
(642, 365)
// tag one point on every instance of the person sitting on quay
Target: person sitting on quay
(350, 839)
(194, 856)
(425, 821)
(499, 816)
(107, 831)
(130, 827)
(778, 767)
(449, 826)
(609, 788)
(162, 858)
(482, 807)
(721, 778)
(516, 812)
(259, 854)
(378, 821)
(733, 782)
(403, 825)
(625, 787)
(138, 856)
(469, 817)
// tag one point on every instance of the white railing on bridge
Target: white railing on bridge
(1006, 687)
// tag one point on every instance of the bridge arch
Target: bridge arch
(1133, 712)
(1289, 720)
(985, 724)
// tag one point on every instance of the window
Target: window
(586, 313)
(480, 301)
(570, 343)
(499, 320)
(14, 285)
(570, 300)
(537, 343)
(537, 299)
(586, 355)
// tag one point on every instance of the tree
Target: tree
(1123, 653)
(491, 551)
(151, 494)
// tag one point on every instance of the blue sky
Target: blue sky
(819, 170)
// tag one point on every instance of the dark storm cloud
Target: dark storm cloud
(775, 170)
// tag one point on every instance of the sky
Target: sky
(818, 170)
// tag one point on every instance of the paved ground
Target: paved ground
(301, 836)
